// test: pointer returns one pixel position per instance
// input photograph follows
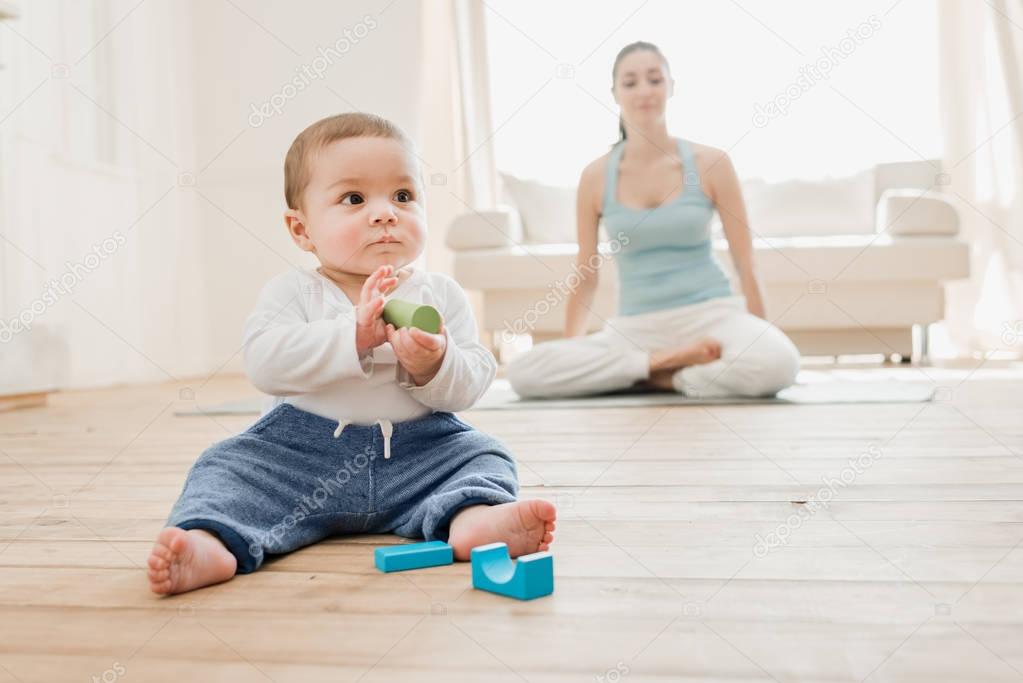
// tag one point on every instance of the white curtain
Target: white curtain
(456, 125)
(981, 66)
(477, 118)
(439, 143)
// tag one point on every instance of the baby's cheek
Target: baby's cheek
(419, 234)
(346, 243)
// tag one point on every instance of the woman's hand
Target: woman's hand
(419, 352)
(754, 298)
(370, 330)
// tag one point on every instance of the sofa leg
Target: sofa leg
(492, 340)
(923, 344)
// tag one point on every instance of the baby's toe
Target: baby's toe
(177, 543)
(159, 574)
(543, 510)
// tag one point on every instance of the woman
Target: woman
(679, 326)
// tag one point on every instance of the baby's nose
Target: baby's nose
(384, 214)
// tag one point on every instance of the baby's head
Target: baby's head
(355, 194)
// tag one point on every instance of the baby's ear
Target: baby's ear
(295, 222)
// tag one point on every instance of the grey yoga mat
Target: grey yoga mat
(501, 397)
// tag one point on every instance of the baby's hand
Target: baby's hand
(419, 352)
(370, 330)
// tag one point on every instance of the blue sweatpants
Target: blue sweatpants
(286, 482)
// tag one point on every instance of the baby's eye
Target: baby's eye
(655, 81)
(403, 196)
(352, 198)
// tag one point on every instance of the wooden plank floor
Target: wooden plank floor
(912, 571)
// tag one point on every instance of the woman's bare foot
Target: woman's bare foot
(527, 526)
(664, 364)
(697, 353)
(660, 380)
(185, 560)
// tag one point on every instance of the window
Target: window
(550, 75)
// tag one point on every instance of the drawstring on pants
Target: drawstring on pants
(386, 429)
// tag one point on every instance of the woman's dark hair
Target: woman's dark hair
(622, 54)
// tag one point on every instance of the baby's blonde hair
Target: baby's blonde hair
(322, 133)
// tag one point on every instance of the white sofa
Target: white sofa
(848, 266)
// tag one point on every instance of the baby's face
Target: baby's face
(363, 207)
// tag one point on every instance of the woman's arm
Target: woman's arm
(726, 193)
(587, 209)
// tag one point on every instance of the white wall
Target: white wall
(176, 165)
(236, 64)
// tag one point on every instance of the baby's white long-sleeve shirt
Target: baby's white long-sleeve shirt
(299, 347)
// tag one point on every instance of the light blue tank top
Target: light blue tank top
(668, 261)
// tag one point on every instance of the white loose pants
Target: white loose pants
(757, 359)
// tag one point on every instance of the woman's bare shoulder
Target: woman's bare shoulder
(591, 181)
(709, 158)
(595, 169)
(717, 174)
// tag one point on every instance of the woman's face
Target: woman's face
(642, 87)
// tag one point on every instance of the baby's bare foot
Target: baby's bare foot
(185, 560)
(527, 526)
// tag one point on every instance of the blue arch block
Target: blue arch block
(532, 576)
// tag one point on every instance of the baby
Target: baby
(361, 437)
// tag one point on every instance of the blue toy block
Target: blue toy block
(398, 558)
(532, 576)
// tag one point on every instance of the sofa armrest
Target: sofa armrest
(499, 227)
(916, 212)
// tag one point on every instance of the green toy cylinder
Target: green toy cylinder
(407, 314)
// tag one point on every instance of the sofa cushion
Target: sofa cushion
(829, 206)
(485, 229)
(547, 211)
(916, 212)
